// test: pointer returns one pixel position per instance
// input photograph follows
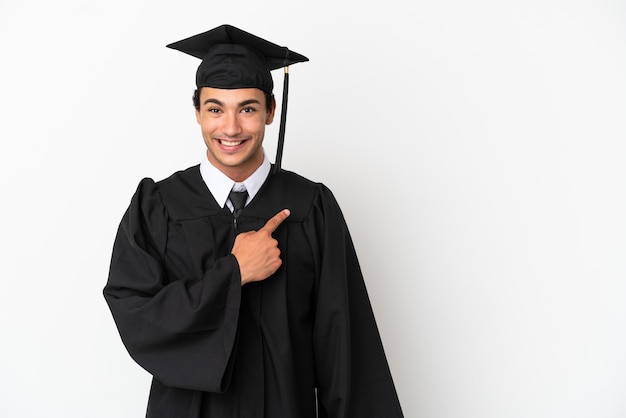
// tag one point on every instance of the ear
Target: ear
(270, 116)
(196, 101)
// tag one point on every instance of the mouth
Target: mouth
(230, 144)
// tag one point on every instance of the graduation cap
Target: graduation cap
(235, 59)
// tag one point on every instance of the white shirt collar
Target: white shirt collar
(220, 185)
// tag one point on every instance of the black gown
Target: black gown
(300, 344)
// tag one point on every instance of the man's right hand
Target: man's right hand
(257, 251)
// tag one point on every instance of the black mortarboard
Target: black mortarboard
(234, 59)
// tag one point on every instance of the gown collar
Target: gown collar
(219, 184)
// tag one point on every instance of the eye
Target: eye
(248, 109)
(213, 110)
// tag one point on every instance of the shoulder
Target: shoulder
(302, 186)
(182, 178)
(299, 194)
(170, 186)
(183, 194)
(289, 179)
(172, 182)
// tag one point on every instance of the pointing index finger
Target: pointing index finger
(272, 224)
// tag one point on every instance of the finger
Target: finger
(271, 225)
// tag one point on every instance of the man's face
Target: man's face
(233, 125)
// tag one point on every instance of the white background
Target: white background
(477, 150)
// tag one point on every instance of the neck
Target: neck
(242, 172)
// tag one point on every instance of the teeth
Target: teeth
(230, 143)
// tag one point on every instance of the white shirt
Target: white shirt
(220, 185)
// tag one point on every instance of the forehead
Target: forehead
(232, 96)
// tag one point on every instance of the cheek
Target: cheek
(206, 125)
(256, 124)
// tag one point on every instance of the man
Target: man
(234, 282)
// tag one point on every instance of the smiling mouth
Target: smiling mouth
(230, 143)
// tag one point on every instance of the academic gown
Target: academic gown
(301, 344)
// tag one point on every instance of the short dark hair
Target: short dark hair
(269, 100)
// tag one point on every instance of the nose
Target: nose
(230, 124)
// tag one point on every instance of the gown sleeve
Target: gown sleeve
(352, 373)
(181, 330)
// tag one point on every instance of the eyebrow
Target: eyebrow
(241, 104)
